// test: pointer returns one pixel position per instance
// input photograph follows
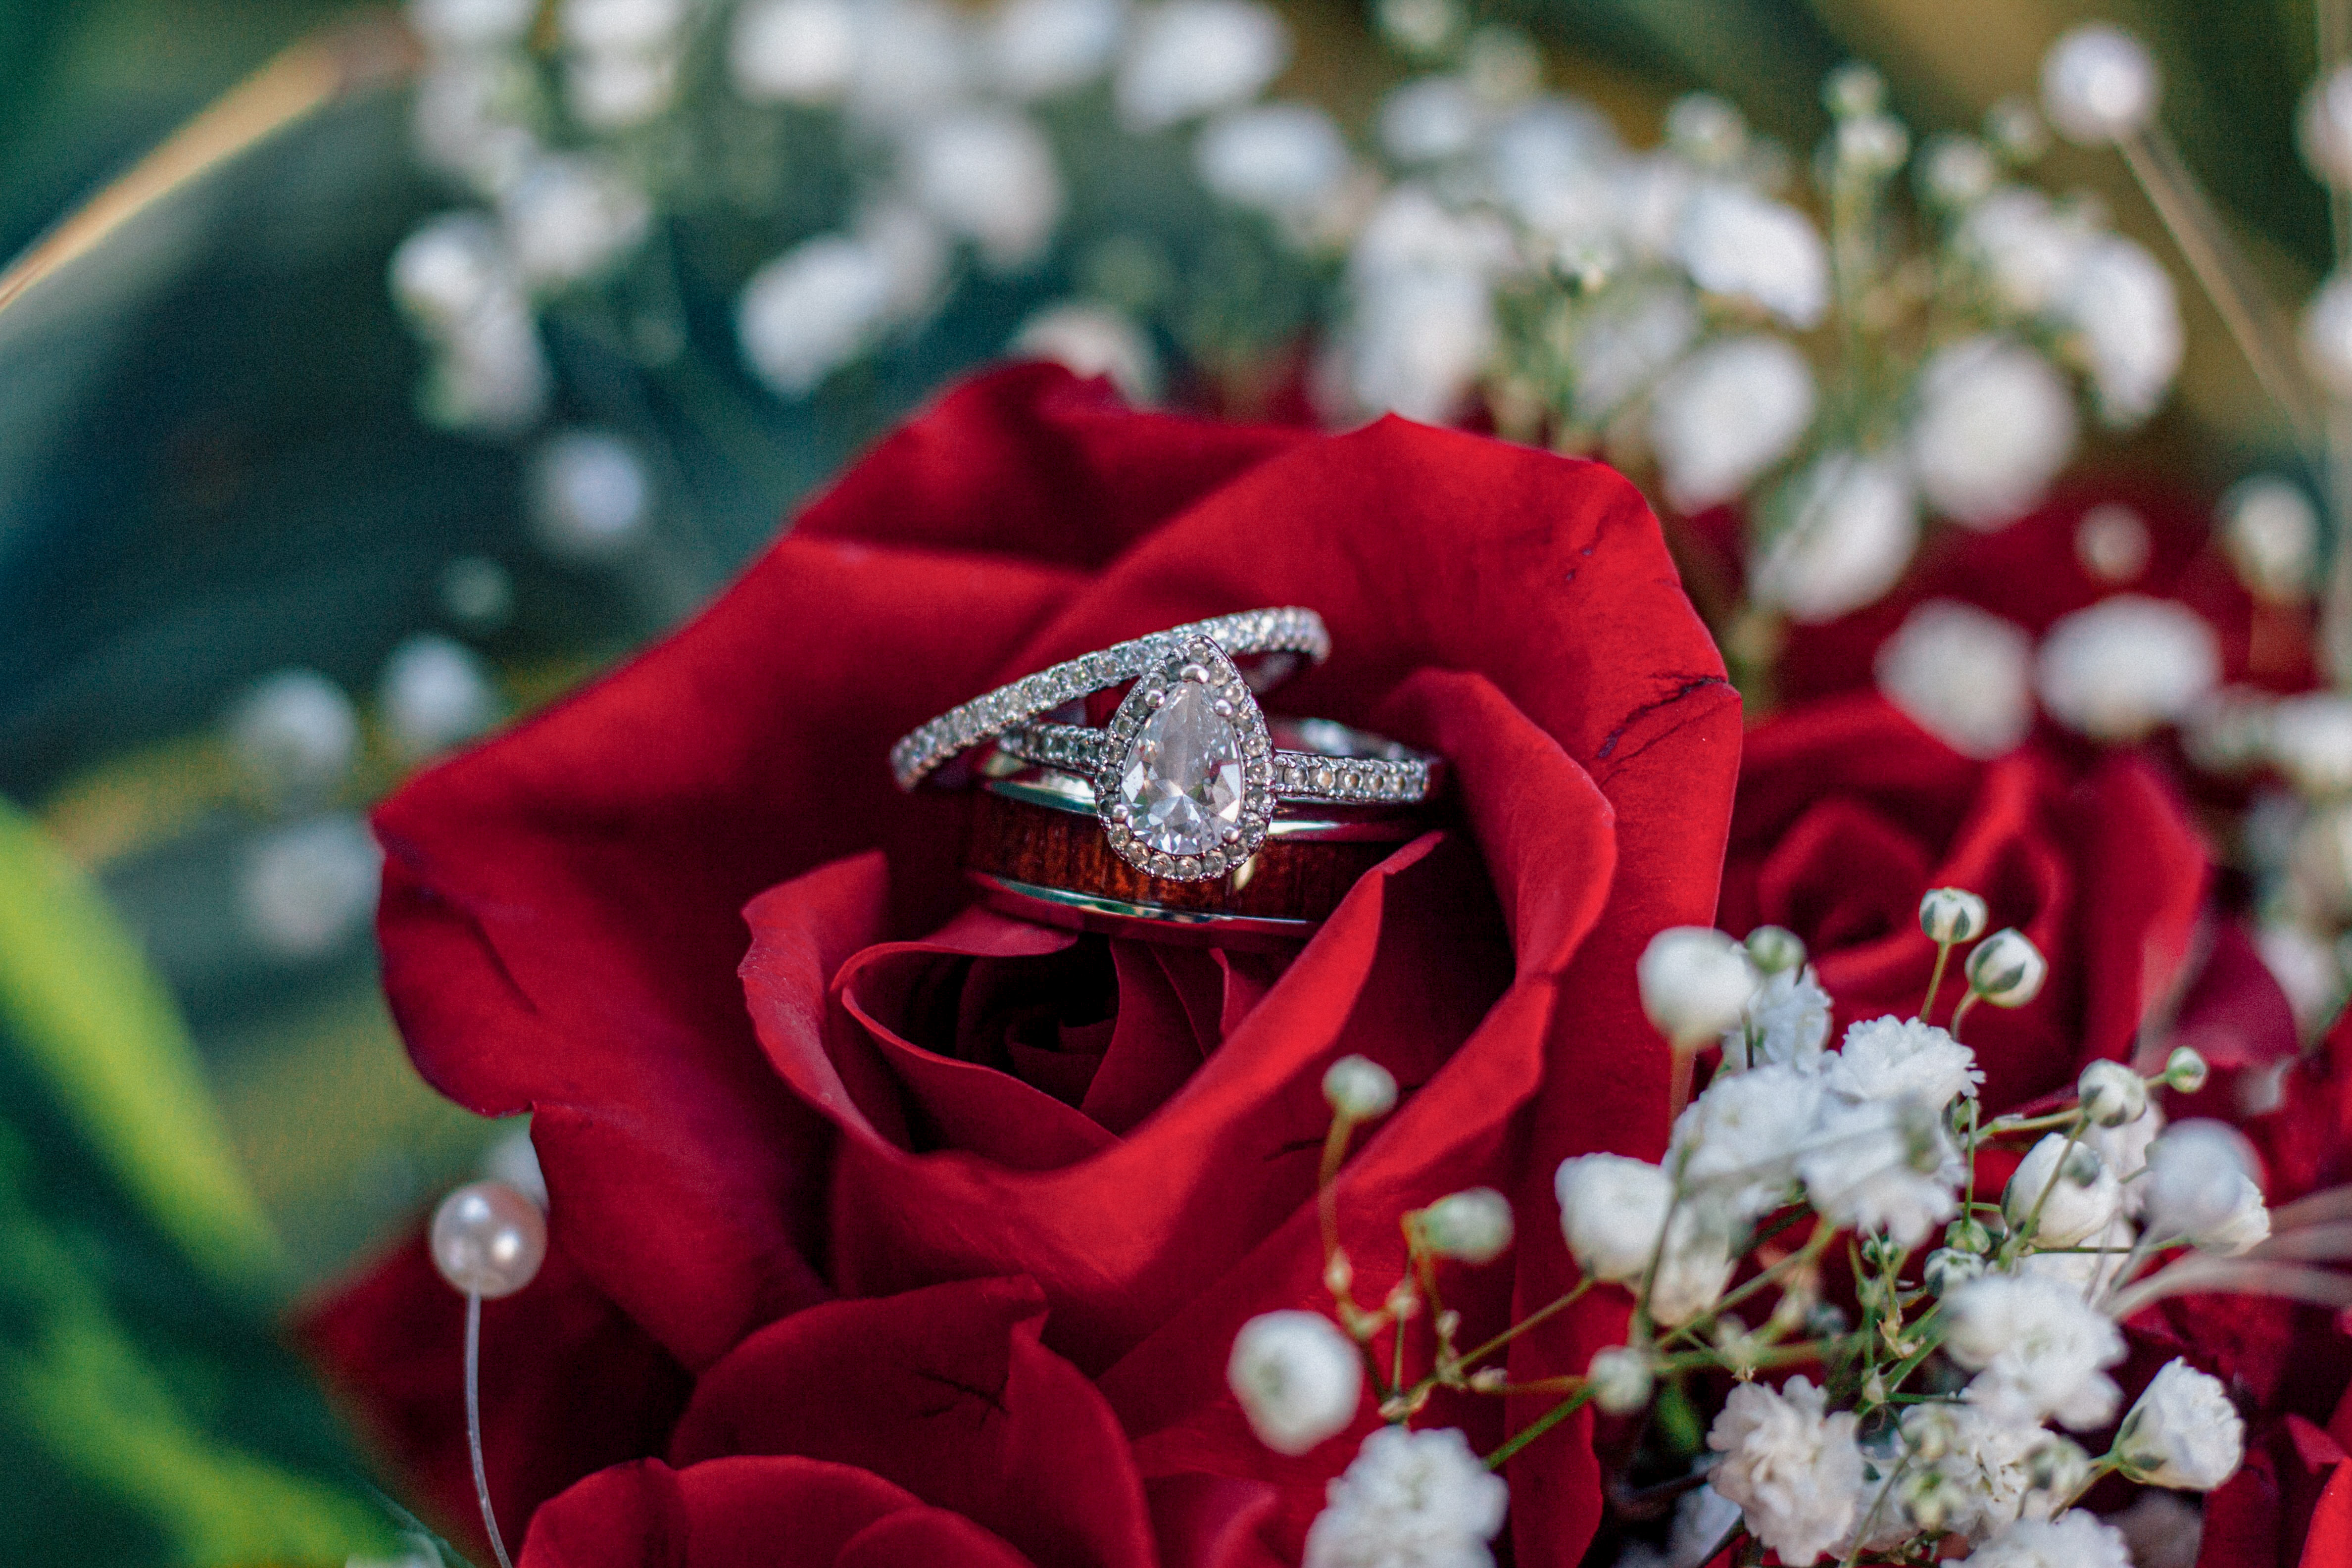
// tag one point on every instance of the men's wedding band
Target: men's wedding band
(1034, 850)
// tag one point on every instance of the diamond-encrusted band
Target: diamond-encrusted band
(1351, 768)
(1288, 630)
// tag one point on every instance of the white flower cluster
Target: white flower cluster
(1645, 300)
(2016, 1312)
(939, 111)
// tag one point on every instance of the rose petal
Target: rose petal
(749, 1512)
(947, 1392)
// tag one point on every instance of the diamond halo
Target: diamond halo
(1185, 787)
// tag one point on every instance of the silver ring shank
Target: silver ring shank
(1288, 630)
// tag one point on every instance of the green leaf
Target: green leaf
(78, 1001)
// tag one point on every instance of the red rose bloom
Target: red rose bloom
(948, 1221)
(1848, 812)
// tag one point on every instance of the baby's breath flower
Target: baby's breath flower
(1785, 1022)
(2128, 665)
(1993, 424)
(1360, 1089)
(2075, 1540)
(1188, 58)
(2099, 84)
(1411, 1499)
(2037, 1348)
(2048, 1190)
(2111, 1093)
(1884, 1167)
(2006, 969)
(1298, 1378)
(1473, 1225)
(1739, 1141)
(1726, 413)
(1846, 528)
(1889, 1058)
(2202, 1190)
(1694, 981)
(2183, 1433)
(1962, 674)
(1621, 1379)
(2270, 530)
(295, 734)
(1791, 1466)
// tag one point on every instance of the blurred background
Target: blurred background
(369, 378)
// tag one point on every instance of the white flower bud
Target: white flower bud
(2058, 1465)
(2185, 1069)
(1956, 171)
(2111, 1093)
(434, 694)
(793, 51)
(2324, 128)
(2184, 1432)
(1473, 1225)
(1947, 1271)
(1962, 674)
(2270, 530)
(1969, 1234)
(2199, 1178)
(2099, 84)
(1693, 980)
(459, 26)
(2073, 1202)
(2327, 335)
(1360, 1089)
(1952, 915)
(2111, 540)
(1610, 1211)
(2127, 665)
(1853, 90)
(1620, 1380)
(295, 735)
(591, 496)
(2006, 969)
(1298, 1378)
(1775, 950)
(1194, 57)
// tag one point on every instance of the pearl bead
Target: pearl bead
(2098, 84)
(489, 1239)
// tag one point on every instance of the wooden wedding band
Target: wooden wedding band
(1036, 850)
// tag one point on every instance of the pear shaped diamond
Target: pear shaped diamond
(1181, 786)
(1186, 788)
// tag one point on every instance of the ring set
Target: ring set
(1204, 813)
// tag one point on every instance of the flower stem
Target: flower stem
(1936, 984)
(1537, 1427)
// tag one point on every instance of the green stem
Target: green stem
(1537, 1427)
(1935, 981)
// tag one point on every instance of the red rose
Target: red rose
(1848, 812)
(1031, 1182)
